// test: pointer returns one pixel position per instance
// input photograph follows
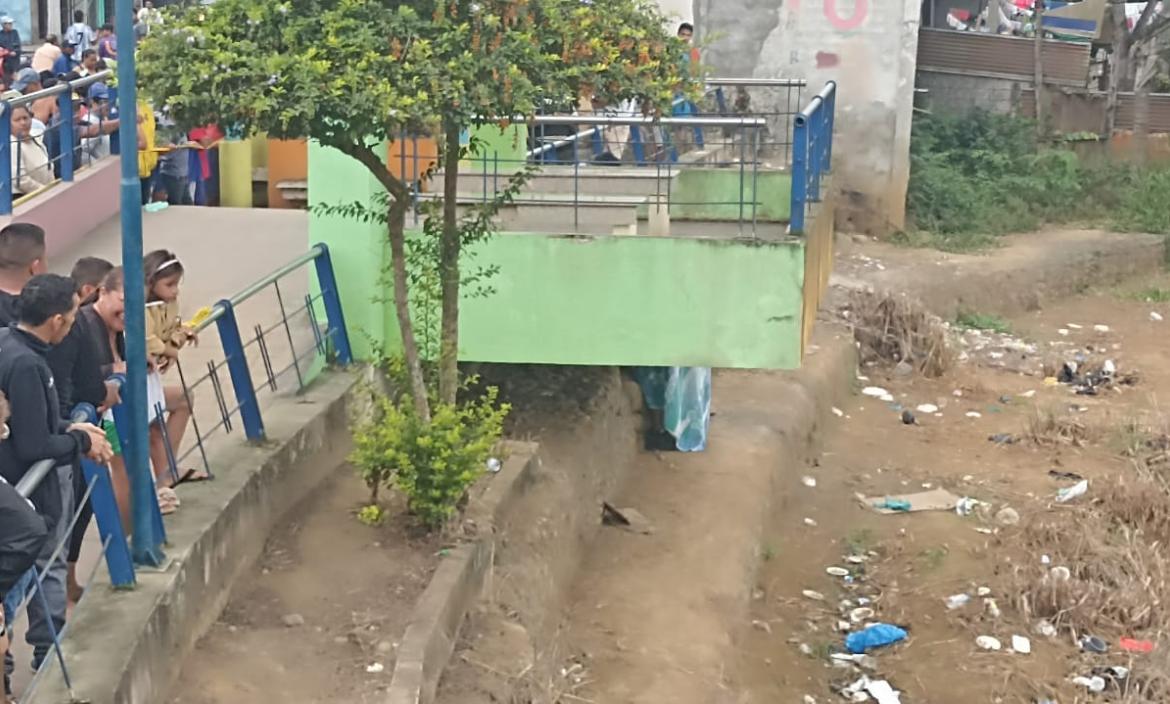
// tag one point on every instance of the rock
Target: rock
(292, 620)
(1007, 516)
(903, 369)
(908, 417)
(387, 646)
(1155, 316)
(762, 626)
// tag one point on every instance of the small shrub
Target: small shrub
(432, 463)
(977, 321)
(371, 515)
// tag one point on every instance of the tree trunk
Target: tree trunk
(449, 246)
(397, 232)
(1037, 59)
(1118, 66)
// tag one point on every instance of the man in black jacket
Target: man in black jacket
(22, 536)
(47, 308)
(22, 256)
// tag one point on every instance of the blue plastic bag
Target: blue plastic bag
(876, 636)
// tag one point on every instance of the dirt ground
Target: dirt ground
(906, 565)
(319, 617)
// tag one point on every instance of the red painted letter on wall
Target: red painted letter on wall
(860, 11)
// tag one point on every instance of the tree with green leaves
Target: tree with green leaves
(356, 74)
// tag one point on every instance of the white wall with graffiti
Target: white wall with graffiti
(869, 47)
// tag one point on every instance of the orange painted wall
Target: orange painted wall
(288, 160)
(428, 153)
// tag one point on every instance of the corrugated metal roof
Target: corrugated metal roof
(970, 53)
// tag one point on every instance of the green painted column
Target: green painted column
(358, 249)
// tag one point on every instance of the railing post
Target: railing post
(331, 297)
(65, 134)
(814, 157)
(636, 143)
(830, 119)
(6, 175)
(237, 364)
(109, 521)
(598, 142)
(799, 175)
(115, 136)
(146, 513)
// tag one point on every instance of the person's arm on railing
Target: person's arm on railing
(30, 436)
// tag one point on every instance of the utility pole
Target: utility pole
(1038, 59)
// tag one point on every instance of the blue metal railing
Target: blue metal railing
(715, 103)
(64, 150)
(330, 338)
(812, 154)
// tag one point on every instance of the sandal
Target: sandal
(192, 475)
(167, 498)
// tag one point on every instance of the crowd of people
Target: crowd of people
(62, 343)
(175, 166)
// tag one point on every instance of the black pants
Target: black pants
(177, 191)
(83, 518)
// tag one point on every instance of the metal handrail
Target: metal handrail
(33, 477)
(60, 88)
(758, 82)
(37, 473)
(649, 121)
(219, 309)
(553, 146)
(816, 102)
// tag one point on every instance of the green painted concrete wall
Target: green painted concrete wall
(710, 193)
(570, 299)
(505, 150)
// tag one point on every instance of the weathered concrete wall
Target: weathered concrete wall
(952, 94)
(869, 48)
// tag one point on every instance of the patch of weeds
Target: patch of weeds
(1152, 294)
(767, 552)
(823, 650)
(979, 321)
(933, 558)
(859, 541)
(371, 515)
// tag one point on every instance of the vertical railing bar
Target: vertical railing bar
(318, 339)
(264, 358)
(288, 331)
(194, 421)
(224, 414)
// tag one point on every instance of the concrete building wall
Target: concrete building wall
(954, 94)
(869, 48)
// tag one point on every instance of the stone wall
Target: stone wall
(953, 94)
(869, 48)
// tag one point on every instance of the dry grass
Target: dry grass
(1054, 428)
(1114, 545)
(893, 328)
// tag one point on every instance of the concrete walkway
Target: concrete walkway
(223, 250)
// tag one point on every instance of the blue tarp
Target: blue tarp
(683, 394)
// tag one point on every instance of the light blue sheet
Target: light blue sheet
(683, 394)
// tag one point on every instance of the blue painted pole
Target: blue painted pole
(147, 544)
(334, 317)
(65, 134)
(799, 175)
(6, 174)
(115, 138)
(237, 364)
(831, 118)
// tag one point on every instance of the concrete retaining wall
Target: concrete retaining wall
(126, 647)
(70, 211)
